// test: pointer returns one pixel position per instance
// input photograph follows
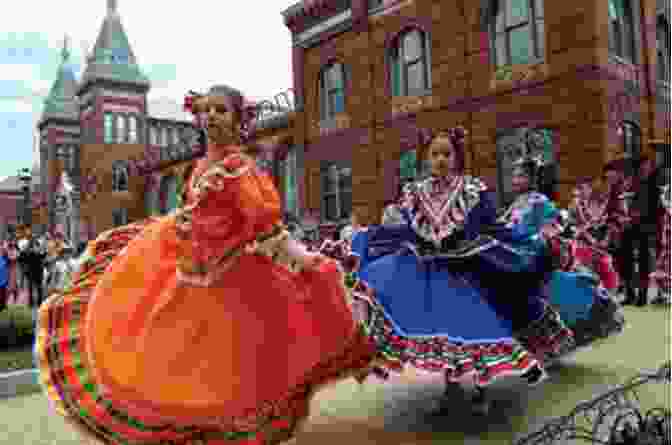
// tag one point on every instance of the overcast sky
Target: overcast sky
(179, 45)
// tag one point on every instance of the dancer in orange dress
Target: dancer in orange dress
(206, 326)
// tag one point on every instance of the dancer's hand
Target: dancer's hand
(312, 261)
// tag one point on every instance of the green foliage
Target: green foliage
(504, 72)
(16, 326)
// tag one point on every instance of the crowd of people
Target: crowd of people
(32, 267)
(214, 324)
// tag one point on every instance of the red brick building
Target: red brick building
(90, 129)
(372, 77)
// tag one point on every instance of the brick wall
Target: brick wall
(577, 108)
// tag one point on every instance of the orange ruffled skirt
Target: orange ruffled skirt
(135, 357)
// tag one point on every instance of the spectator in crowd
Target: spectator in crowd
(637, 236)
(4, 275)
(31, 256)
(58, 265)
(12, 285)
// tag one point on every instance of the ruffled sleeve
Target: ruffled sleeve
(231, 204)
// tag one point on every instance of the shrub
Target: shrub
(16, 326)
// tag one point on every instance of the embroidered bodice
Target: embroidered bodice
(437, 207)
(590, 211)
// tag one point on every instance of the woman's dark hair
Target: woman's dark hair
(584, 180)
(457, 137)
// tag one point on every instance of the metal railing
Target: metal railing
(612, 418)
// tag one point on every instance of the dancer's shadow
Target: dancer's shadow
(428, 407)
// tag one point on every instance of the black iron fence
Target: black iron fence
(615, 417)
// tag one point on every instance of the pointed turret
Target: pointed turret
(62, 103)
(112, 58)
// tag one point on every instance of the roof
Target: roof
(12, 183)
(112, 57)
(61, 101)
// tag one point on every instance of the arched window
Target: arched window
(119, 177)
(410, 65)
(517, 32)
(663, 48)
(622, 29)
(332, 90)
(133, 129)
(121, 129)
(108, 127)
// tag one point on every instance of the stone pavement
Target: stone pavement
(403, 410)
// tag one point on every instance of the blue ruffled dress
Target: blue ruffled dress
(450, 290)
(583, 303)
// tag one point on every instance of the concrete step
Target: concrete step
(17, 382)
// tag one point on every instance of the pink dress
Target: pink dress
(661, 276)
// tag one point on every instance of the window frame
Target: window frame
(109, 128)
(153, 135)
(326, 112)
(120, 217)
(663, 27)
(119, 171)
(290, 175)
(625, 39)
(132, 129)
(396, 57)
(537, 37)
(164, 188)
(121, 127)
(341, 213)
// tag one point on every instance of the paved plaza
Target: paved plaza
(403, 411)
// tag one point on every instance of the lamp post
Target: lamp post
(26, 177)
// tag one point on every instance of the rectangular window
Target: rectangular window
(164, 137)
(663, 49)
(517, 13)
(153, 136)
(333, 91)
(176, 136)
(290, 183)
(396, 76)
(415, 74)
(336, 191)
(119, 217)
(517, 32)
(408, 166)
(622, 29)
(121, 129)
(521, 45)
(133, 129)
(108, 136)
